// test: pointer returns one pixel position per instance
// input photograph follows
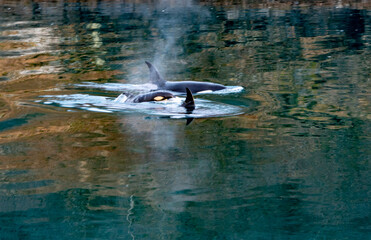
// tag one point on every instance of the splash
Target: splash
(118, 87)
(170, 108)
(121, 87)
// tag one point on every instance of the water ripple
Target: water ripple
(170, 108)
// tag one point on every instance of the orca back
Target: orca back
(194, 86)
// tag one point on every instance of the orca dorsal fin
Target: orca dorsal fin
(189, 102)
(154, 75)
(189, 120)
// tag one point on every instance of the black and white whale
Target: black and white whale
(155, 96)
(188, 103)
(180, 86)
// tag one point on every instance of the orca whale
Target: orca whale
(180, 86)
(188, 103)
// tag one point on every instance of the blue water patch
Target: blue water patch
(69, 214)
(24, 185)
(23, 182)
(16, 122)
(7, 124)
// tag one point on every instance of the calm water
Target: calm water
(292, 164)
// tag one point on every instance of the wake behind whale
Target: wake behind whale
(172, 108)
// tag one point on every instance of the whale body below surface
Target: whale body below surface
(180, 86)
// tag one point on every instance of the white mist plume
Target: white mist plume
(175, 20)
(170, 22)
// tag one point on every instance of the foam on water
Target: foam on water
(120, 87)
(169, 108)
(117, 87)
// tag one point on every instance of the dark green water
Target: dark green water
(294, 165)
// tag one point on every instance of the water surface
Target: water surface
(292, 164)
